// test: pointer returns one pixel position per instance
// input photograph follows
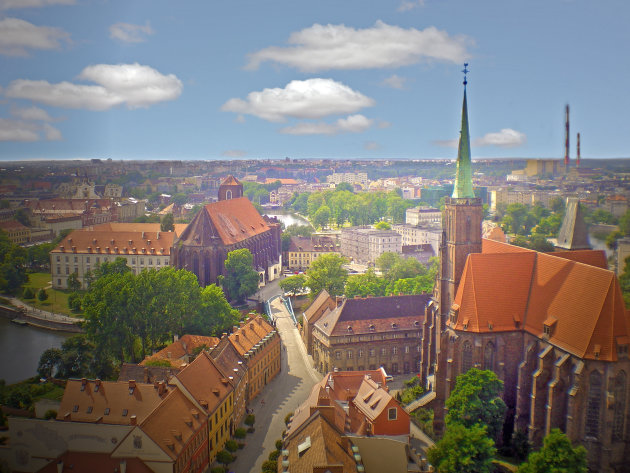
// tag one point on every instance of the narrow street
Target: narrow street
(280, 397)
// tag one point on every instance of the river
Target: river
(21, 347)
(287, 218)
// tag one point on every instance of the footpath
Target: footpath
(30, 315)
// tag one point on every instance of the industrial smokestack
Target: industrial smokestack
(577, 161)
(566, 138)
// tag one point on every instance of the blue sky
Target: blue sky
(215, 79)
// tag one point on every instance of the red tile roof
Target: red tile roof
(94, 463)
(500, 291)
(249, 334)
(177, 352)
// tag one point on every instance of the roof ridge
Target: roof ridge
(529, 290)
(601, 308)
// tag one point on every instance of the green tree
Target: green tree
(556, 456)
(293, 284)
(21, 215)
(216, 314)
(344, 186)
(367, 284)
(168, 223)
(327, 272)
(28, 293)
(118, 266)
(48, 362)
(224, 457)
(475, 400)
(77, 357)
(74, 284)
(74, 301)
(463, 450)
(387, 260)
(241, 279)
(382, 225)
(42, 295)
(322, 216)
(624, 223)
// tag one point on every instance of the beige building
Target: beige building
(143, 245)
(422, 235)
(366, 244)
(423, 216)
(304, 250)
(17, 233)
(360, 334)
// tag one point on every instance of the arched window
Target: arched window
(466, 356)
(196, 264)
(228, 195)
(619, 392)
(468, 228)
(488, 357)
(593, 404)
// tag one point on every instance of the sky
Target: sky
(217, 79)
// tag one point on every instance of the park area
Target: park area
(56, 301)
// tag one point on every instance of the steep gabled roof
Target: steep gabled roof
(249, 334)
(318, 306)
(371, 399)
(228, 360)
(173, 423)
(591, 257)
(205, 381)
(581, 305)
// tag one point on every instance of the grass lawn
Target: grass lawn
(54, 395)
(57, 300)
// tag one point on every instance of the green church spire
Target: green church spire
(463, 187)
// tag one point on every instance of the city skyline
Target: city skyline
(145, 80)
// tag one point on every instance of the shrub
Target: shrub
(273, 456)
(28, 293)
(250, 419)
(50, 414)
(218, 469)
(278, 444)
(269, 466)
(241, 445)
(240, 433)
(250, 430)
(231, 446)
(74, 301)
(224, 457)
(42, 295)
(287, 418)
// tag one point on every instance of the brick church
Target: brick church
(229, 224)
(552, 326)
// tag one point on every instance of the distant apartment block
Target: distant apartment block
(16, 232)
(505, 196)
(420, 235)
(349, 177)
(366, 244)
(423, 216)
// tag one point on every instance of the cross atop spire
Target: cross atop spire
(463, 187)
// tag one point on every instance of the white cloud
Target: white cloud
(395, 82)
(311, 98)
(324, 47)
(371, 145)
(134, 85)
(351, 124)
(130, 33)
(17, 130)
(31, 113)
(9, 4)
(407, 5)
(18, 36)
(506, 138)
(234, 153)
(239, 119)
(52, 133)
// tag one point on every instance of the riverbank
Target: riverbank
(38, 318)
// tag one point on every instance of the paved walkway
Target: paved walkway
(280, 397)
(43, 314)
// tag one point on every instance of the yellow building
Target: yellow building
(17, 233)
(303, 251)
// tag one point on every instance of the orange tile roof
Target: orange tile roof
(121, 243)
(109, 402)
(371, 399)
(205, 382)
(177, 352)
(493, 246)
(94, 463)
(591, 257)
(12, 225)
(498, 290)
(249, 334)
(230, 181)
(173, 423)
(236, 220)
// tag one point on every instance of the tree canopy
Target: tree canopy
(475, 401)
(327, 272)
(293, 284)
(168, 223)
(12, 265)
(463, 450)
(241, 279)
(556, 456)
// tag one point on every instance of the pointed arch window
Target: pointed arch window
(467, 352)
(228, 195)
(488, 356)
(620, 405)
(594, 403)
(468, 228)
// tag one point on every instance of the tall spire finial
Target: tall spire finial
(463, 187)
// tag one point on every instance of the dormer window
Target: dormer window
(597, 350)
(372, 328)
(549, 326)
(622, 346)
(465, 324)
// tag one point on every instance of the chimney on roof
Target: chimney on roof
(259, 321)
(161, 387)
(224, 334)
(204, 403)
(158, 236)
(66, 416)
(339, 300)
(143, 235)
(236, 337)
(133, 420)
